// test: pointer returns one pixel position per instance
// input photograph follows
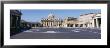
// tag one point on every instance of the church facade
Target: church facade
(51, 21)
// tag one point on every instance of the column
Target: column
(44, 23)
(73, 25)
(50, 24)
(47, 24)
(58, 24)
(88, 25)
(93, 25)
(97, 24)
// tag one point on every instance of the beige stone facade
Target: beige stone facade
(51, 21)
(89, 20)
(85, 20)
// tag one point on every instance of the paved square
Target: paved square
(59, 33)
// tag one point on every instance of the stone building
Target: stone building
(25, 25)
(35, 24)
(70, 22)
(97, 20)
(51, 21)
(15, 17)
(89, 20)
(28, 25)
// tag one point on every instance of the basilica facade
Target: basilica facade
(51, 21)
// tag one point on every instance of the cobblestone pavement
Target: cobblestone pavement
(59, 33)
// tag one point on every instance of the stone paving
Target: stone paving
(59, 33)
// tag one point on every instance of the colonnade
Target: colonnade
(51, 24)
(31, 25)
(95, 23)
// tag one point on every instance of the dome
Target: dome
(51, 16)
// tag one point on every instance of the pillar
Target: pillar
(49, 24)
(73, 25)
(44, 23)
(97, 24)
(93, 23)
(58, 24)
(87, 25)
(52, 24)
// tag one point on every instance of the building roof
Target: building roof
(87, 14)
(51, 15)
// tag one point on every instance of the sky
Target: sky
(35, 15)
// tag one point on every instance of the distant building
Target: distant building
(15, 17)
(27, 25)
(51, 21)
(24, 24)
(35, 24)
